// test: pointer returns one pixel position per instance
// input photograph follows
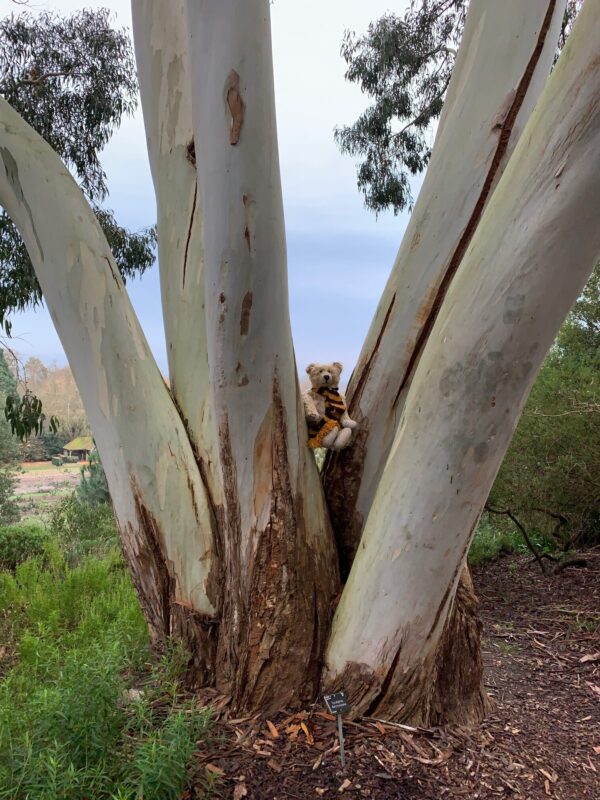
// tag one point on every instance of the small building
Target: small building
(81, 447)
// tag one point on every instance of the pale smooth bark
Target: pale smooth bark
(279, 562)
(161, 41)
(155, 485)
(532, 252)
(502, 64)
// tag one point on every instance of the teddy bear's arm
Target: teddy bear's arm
(345, 420)
(310, 409)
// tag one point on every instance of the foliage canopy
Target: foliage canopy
(403, 64)
(73, 79)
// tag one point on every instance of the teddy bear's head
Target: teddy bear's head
(324, 374)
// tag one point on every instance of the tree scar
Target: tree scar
(235, 105)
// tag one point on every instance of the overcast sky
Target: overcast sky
(339, 254)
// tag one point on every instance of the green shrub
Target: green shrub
(20, 542)
(82, 529)
(9, 508)
(58, 461)
(69, 729)
(93, 488)
(496, 536)
(549, 475)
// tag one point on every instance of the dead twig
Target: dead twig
(508, 513)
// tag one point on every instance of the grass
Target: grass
(492, 540)
(74, 645)
(49, 467)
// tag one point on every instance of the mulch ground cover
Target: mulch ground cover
(541, 738)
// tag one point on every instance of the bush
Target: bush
(45, 446)
(549, 475)
(82, 529)
(9, 508)
(20, 542)
(496, 536)
(58, 461)
(76, 642)
(93, 488)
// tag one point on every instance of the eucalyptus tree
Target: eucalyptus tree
(404, 65)
(222, 514)
(72, 78)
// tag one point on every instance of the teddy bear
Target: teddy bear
(325, 410)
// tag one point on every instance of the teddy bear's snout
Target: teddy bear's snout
(326, 377)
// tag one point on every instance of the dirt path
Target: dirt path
(541, 739)
(44, 477)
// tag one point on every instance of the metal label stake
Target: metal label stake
(338, 704)
(341, 738)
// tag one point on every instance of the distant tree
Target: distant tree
(581, 332)
(8, 382)
(404, 65)
(73, 79)
(9, 447)
(35, 373)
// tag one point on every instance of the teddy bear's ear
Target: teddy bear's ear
(309, 368)
(338, 365)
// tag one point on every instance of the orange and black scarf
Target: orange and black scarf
(334, 410)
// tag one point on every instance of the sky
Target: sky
(339, 253)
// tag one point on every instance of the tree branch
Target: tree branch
(161, 44)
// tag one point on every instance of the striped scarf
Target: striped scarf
(334, 410)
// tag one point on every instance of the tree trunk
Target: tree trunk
(156, 489)
(161, 39)
(279, 568)
(484, 113)
(534, 248)
(221, 511)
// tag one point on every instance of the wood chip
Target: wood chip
(214, 769)
(272, 729)
(240, 791)
(552, 776)
(275, 765)
(345, 785)
(589, 658)
(307, 733)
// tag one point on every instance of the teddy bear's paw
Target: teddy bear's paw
(342, 439)
(350, 424)
(331, 438)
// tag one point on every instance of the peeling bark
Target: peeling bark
(279, 563)
(235, 105)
